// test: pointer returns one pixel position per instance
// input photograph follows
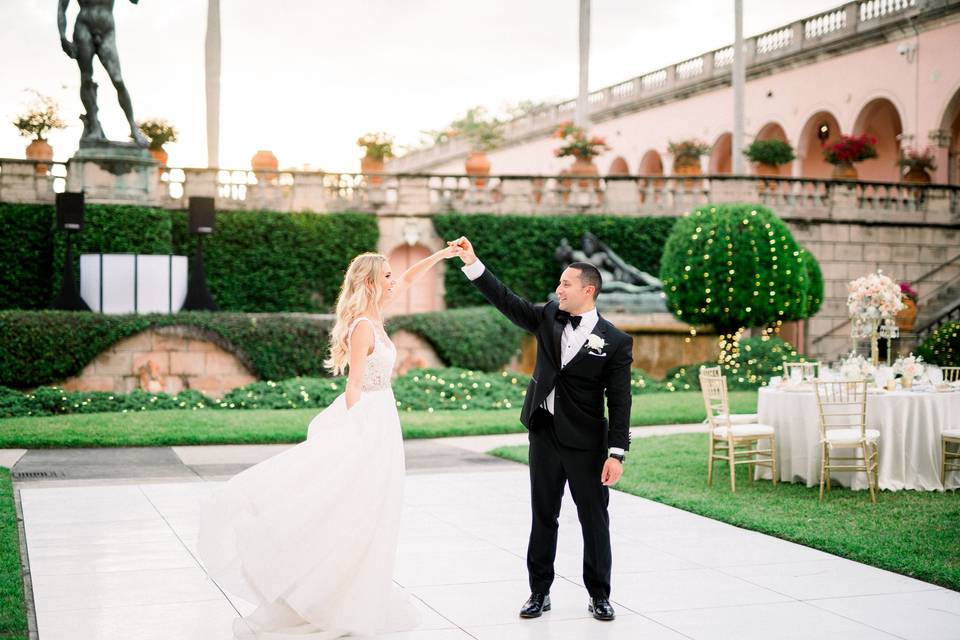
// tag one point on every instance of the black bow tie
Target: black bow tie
(565, 317)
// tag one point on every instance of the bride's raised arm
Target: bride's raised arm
(416, 270)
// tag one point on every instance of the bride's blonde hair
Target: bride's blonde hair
(362, 285)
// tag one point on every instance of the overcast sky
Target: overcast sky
(305, 78)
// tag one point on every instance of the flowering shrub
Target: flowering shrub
(913, 158)
(943, 346)
(906, 291)
(576, 143)
(851, 149)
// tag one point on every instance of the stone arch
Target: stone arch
(618, 167)
(950, 125)
(772, 131)
(820, 129)
(880, 119)
(721, 154)
(651, 164)
(419, 298)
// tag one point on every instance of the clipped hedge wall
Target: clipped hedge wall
(473, 338)
(520, 249)
(256, 261)
(26, 252)
(40, 347)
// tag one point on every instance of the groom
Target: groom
(580, 356)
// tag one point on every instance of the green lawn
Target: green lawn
(13, 615)
(914, 533)
(182, 427)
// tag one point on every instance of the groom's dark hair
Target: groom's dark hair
(589, 275)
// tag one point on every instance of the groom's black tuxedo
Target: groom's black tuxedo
(580, 385)
(569, 445)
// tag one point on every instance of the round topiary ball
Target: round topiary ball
(734, 266)
(943, 346)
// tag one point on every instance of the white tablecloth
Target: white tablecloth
(909, 422)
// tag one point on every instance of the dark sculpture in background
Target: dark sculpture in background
(626, 289)
(94, 34)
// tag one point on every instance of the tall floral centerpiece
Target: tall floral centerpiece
(872, 300)
(848, 150)
(581, 147)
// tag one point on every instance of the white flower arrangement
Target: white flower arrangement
(856, 367)
(874, 296)
(911, 367)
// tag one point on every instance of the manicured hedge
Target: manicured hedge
(520, 249)
(735, 266)
(40, 347)
(943, 346)
(256, 261)
(26, 256)
(475, 338)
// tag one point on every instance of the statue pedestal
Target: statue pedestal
(116, 172)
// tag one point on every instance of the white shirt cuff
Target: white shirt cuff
(616, 450)
(473, 271)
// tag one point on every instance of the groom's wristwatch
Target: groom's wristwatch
(618, 457)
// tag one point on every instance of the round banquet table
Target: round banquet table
(909, 422)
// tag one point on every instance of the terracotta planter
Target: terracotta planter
(905, 318)
(40, 150)
(370, 165)
(584, 167)
(686, 166)
(160, 156)
(477, 164)
(844, 171)
(264, 160)
(916, 175)
(763, 169)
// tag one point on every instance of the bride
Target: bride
(310, 535)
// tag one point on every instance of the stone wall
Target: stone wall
(167, 359)
(848, 251)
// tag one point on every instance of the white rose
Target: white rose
(596, 342)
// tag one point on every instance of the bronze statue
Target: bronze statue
(625, 288)
(94, 35)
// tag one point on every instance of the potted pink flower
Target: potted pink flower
(907, 316)
(915, 163)
(582, 148)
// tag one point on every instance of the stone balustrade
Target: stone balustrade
(794, 198)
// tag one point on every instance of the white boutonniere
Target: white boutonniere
(596, 343)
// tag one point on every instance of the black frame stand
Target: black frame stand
(69, 297)
(198, 295)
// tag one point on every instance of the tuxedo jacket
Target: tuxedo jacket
(580, 386)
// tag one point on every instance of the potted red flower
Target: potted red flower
(907, 316)
(915, 163)
(848, 150)
(584, 149)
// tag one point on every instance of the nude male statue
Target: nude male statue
(94, 35)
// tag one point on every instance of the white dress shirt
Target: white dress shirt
(571, 341)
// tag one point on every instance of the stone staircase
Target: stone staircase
(942, 304)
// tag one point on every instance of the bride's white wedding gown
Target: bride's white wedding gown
(310, 534)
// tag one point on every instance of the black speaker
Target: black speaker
(201, 214)
(70, 211)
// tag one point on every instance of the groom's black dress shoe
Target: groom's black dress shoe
(535, 605)
(601, 609)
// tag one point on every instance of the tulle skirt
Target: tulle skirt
(310, 535)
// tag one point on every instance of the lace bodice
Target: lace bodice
(379, 369)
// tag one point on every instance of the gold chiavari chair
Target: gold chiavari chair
(949, 460)
(951, 374)
(737, 444)
(735, 418)
(843, 425)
